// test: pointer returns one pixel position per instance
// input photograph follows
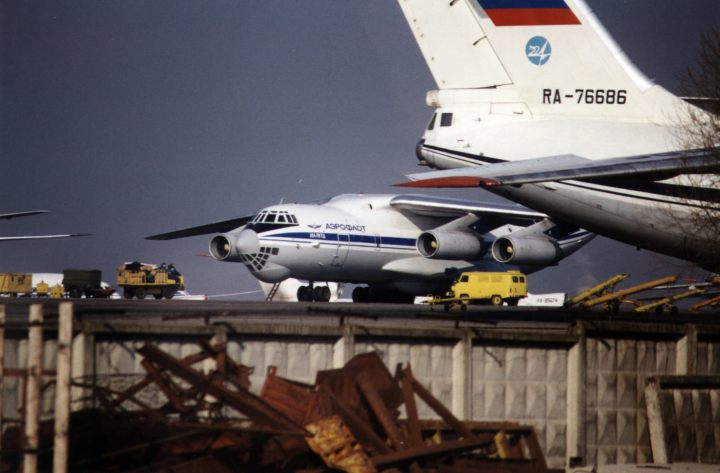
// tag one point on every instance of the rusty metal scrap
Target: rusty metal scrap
(337, 446)
(349, 420)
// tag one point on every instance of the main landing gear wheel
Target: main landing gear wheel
(310, 294)
(361, 294)
(321, 294)
(304, 294)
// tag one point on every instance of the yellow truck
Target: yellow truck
(139, 280)
(478, 287)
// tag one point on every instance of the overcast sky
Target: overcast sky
(128, 118)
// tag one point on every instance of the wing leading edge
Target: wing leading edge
(43, 237)
(21, 214)
(215, 227)
(570, 167)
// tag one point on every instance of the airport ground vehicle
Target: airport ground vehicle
(84, 282)
(70, 283)
(14, 284)
(140, 279)
(478, 287)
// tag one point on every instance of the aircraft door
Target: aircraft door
(342, 249)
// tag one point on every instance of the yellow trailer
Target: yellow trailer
(15, 283)
(479, 287)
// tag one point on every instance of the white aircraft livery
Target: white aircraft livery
(401, 246)
(538, 104)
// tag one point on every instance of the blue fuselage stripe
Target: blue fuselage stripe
(332, 238)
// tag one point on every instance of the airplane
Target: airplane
(401, 246)
(9, 216)
(538, 104)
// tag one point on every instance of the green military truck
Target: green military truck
(85, 282)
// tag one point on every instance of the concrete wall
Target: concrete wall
(582, 390)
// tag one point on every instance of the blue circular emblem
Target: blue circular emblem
(538, 50)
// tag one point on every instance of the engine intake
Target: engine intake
(224, 248)
(449, 245)
(526, 249)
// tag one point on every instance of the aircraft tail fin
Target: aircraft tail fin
(491, 43)
(543, 52)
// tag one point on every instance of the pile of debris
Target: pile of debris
(350, 420)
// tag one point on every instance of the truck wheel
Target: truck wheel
(75, 293)
(496, 300)
(128, 293)
(157, 296)
(140, 293)
(168, 292)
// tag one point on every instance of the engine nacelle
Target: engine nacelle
(223, 248)
(526, 250)
(449, 245)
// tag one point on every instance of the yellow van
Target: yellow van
(477, 286)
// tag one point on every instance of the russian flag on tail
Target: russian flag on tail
(529, 12)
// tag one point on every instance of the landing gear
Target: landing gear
(311, 293)
(361, 294)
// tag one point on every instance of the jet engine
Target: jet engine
(223, 248)
(449, 245)
(526, 249)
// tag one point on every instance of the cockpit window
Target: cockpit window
(272, 220)
(446, 119)
(431, 125)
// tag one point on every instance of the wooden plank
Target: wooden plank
(62, 389)
(2, 367)
(34, 382)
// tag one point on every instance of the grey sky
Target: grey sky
(127, 118)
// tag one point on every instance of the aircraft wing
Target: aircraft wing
(43, 237)
(215, 227)
(571, 167)
(446, 207)
(21, 214)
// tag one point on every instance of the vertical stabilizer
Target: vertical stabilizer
(552, 55)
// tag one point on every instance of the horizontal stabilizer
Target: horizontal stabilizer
(215, 227)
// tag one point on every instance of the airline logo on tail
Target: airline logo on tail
(529, 12)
